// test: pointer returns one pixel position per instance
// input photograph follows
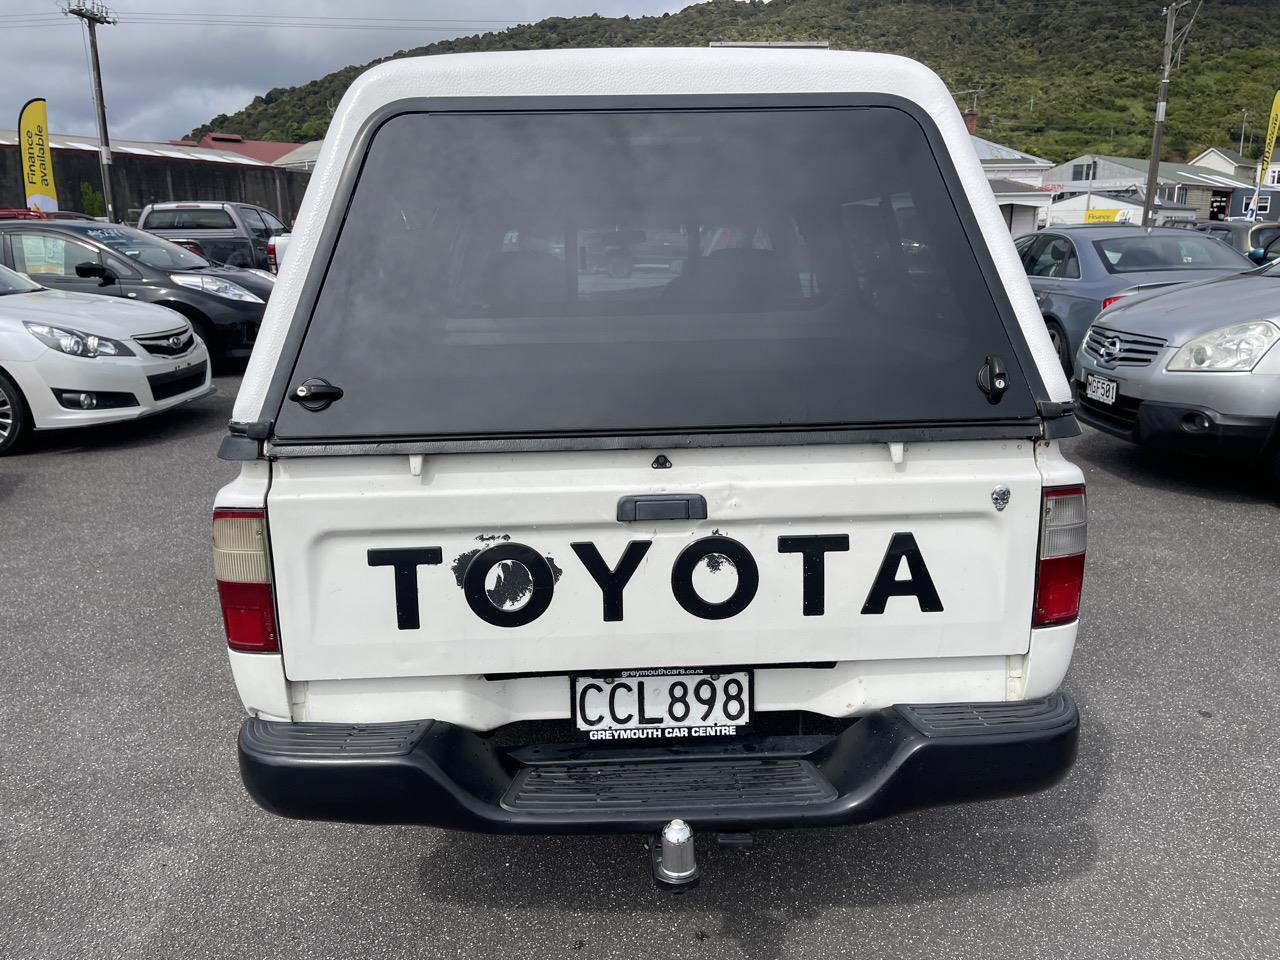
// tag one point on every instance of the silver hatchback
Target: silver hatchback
(1192, 366)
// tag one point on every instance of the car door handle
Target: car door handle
(662, 506)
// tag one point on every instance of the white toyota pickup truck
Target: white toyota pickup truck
(649, 441)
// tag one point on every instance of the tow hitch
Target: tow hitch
(671, 856)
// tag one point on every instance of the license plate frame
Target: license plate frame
(657, 683)
(1102, 389)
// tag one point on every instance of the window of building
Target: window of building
(1084, 171)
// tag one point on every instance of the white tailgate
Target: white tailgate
(338, 614)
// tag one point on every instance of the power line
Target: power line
(479, 28)
(169, 14)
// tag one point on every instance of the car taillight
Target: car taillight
(272, 265)
(244, 580)
(1108, 301)
(1060, 571)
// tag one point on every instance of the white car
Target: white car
(527, 543)
(73, 359)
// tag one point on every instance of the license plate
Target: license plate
(662, 704)
(1100, 388)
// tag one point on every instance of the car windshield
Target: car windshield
(146, 249)
(1165, 252)
(14, 282)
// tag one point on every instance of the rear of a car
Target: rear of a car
(210, 230)
(605, 462)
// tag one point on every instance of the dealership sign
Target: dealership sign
(37, 159)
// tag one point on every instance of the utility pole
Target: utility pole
(1244, 115)
(95, 14)
(1153, 169)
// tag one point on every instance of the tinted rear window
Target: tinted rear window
(650, 272)
(1166, 252)
(188, 220)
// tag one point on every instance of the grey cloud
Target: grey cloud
(162, 80)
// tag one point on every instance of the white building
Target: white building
(1228, 161)
(1017, 180)
(1005, 163)
(1114, 208)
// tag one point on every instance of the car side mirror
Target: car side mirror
(92, 269)
(1258, 255)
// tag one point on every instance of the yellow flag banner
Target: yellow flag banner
(37, 159)
(1273, 126)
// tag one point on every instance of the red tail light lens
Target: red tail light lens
(1108, 301)
(1060, 572)
(272, 264)
(244, 580)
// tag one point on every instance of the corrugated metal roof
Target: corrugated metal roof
(300, 156)
(1184, 173)
(141, 148)
(1232, 155)
(1004, 188)
(268, 151)
(988, 151)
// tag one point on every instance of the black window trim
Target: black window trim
(996, 428)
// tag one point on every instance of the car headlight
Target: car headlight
(75, 343)
(1238, 347)
(216, 286)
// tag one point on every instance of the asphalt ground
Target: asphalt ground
(124, 830)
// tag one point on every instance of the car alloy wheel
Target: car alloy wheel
(1059, 341)
(14, 421)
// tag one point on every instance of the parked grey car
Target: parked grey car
(1248, 237)
(235, 234)
(1077, 271)
(1191, 366)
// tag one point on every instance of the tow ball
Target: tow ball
(671, 856)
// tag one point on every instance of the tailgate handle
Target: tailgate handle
(662, 506)
(993, 379)
(315, 394)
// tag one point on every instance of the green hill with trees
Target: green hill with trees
(1054, 78)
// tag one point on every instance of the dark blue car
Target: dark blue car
(1076, 271)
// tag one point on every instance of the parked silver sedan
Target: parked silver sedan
(1192, 366)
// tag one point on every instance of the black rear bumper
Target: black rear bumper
(436, 773)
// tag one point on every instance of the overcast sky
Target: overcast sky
(170, 65)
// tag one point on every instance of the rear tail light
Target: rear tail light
(1108, 301)
(1060, 571)
(244, 580)
(272, 263)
